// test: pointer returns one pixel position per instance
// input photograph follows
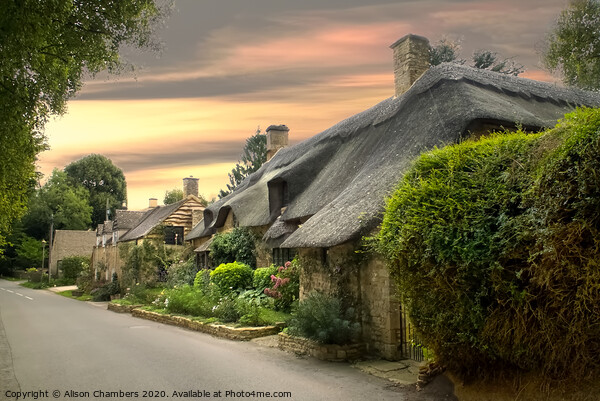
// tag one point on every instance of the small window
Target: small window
(173, 235)
(282, 255)
(278, 196)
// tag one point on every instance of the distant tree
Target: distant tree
(573, 46)
(172, 196)
(448, 51)
(175, 195)
(488, 60)
(255, 154)
(47, 47)
(104, 181)
(58, 201)
(30, 251)
(445, 51)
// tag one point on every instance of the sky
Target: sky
(228, 67)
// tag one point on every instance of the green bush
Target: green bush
(231, 277)
(72, 266)
(192, 301)
(181, 273)
(321, 318)
(202, 279)
(237, 245)
(103, 293)
(189, 301)
(262, 277)
(495, 246)
(143, 294)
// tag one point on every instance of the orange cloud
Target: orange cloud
(539, 75)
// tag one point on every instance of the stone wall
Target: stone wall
(325, 352)
(219, 330)
(361, 281)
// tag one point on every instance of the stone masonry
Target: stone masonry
(411, 60)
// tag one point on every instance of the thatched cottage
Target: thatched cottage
(319, 198)
(176, 220)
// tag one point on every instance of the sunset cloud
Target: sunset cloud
(232, 66)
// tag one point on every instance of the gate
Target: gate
(409, 343)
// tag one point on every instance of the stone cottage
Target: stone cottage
(319, 198)
(67, 243)
(176, 220)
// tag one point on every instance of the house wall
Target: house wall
(106, 261)
(362, 282)
(182, 217)
(264, 255)
(70, 243)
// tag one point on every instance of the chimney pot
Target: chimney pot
(152, 202)
(411, 60)
(277, 138)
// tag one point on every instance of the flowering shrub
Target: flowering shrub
(262, 277)
(285, 286)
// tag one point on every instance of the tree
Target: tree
(104, 181)
(172, 196)
(31, 251)
(573, 46)
(255, 154)
(58, 201)
(46, 48)
(447, 51)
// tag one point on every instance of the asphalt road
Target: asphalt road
(54, 346)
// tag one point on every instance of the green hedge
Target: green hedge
(495, 246)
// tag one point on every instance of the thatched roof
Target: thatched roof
(337, 180)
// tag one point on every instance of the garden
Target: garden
(166, 280)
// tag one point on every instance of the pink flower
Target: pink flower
(280, 269)
(288, 264)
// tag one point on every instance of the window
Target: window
(282, 255)
(173, 235)
(278, 196)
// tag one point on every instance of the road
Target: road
(55, 346)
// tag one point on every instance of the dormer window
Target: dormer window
(208, 218)
(278, 196)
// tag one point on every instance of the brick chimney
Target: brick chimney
(277, 138)
(190, 186)
(152, 202)
(411, 60)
